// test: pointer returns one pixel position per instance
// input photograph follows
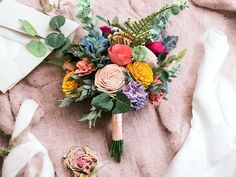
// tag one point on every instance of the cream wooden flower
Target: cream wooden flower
(110, 79)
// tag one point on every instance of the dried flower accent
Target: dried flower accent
(136, 94)
(155, 98)
(120, 37)
(141, 72)
(84, 67)
(69, 86)
(110, 79)
(69, 66)
(81, 161)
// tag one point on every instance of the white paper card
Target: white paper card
(15, 65)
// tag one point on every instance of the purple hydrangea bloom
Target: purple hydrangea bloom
(136, 94)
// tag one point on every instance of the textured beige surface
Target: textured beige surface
(152, 136)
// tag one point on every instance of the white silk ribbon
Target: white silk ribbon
(28, 157)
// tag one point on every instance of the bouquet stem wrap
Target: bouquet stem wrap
(117, 137)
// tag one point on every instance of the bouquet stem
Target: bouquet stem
(116, 150)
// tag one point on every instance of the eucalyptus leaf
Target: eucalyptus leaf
(37, 48)
(28, 28)
(122, 103)
(139, 53)
(115, 20)
(55, 40)
(65, 46)
(103, 102)
(169, 42)
(102, 19)
(57, 22)
(67, 101)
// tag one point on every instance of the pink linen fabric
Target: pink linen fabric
(152, 136)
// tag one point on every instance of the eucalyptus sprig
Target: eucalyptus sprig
(118, 103)
(56, 40)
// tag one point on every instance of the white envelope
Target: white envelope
(15, 61)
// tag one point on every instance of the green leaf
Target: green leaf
(28, 28)
(164, 76)
(169, 42)
(55, 40)
(91, 117)
(122, 103)
(37, 48)
(4, 151)
(103, 102)
(57, 22)
(65, 46)
(139, 53)
(102, 19)
(181, 55)
(67, 101)
(115, 20)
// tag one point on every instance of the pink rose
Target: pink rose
(120, 54)
(84, 67)
(157, 47)
(155, 98)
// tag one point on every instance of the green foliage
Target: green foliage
(92, 116)
(58, 61)
(36, 48)
(169, 60)
(55, 40)
(57, 22)
(139, 53)
(4, 151)
(67, 101)
(103, 102)
(65, 46)
(28, 28)
(86, 90)
(98, 56)
(169, 42)
(83, 15)
(122, 103)
(148, 28)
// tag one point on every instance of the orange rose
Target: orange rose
(84, 67)
(120, 54)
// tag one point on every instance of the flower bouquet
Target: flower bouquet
(119, 66)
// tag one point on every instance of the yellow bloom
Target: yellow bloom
(141, 72)
(68, 86)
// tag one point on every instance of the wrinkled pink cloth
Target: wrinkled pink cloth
(151, 136)
(226, 5)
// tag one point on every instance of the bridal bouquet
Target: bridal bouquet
(119, 66)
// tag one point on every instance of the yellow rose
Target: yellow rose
(68, 86)
(141, 72)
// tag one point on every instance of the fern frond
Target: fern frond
(142, 30)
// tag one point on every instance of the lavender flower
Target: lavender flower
(136, 94)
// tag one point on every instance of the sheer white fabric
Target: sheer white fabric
(210, 149)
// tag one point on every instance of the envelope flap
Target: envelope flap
(11, 12)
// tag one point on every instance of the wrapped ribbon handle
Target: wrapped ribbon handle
(116, 150)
